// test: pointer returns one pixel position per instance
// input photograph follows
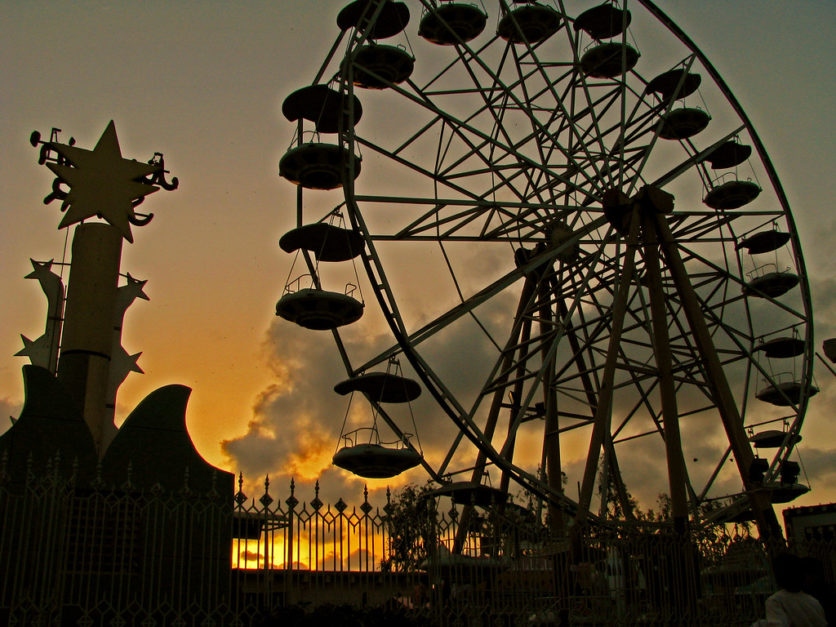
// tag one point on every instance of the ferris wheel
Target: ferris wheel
(571, 235)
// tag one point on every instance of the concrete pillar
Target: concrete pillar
(87, 338)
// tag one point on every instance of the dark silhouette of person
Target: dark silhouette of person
(790, 606)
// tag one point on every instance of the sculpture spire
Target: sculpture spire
(99, 190)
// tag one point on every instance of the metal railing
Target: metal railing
(107, 555)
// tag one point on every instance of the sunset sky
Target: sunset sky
(203, 83)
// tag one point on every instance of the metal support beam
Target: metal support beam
(603, 412)
(664, 363)
(767, 522)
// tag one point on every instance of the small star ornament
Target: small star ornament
(102, 183)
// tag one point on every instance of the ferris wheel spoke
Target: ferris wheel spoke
(441, 322)
(541, 342)
(543, 346)
(509, 217)
(576, 138)
(499, 377)
(534, 134)
(578, 147)
(526, 163)
(594, 130)
(702, 227)
(722, 272)
(499, 113)
(536, 128)
(696, 158)
(577, 357)
(505, 92)
(429, 174)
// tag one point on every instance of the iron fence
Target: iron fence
(108, 555)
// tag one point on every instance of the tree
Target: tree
(410, 518)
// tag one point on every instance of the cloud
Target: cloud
(296, 421)
(818, 466)
(824, 294)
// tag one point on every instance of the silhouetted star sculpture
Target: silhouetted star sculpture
(43, 351)
(101, 182)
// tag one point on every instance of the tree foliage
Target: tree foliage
(410, 520)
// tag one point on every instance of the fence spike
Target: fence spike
(128, 485)
(266, 499)
(292, 501)
(316, 503)
(239, 497)
(98, 482)
(56, 466)
(74, 472)
(213, 486)
(366, 506)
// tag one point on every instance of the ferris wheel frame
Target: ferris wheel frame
(528, 223)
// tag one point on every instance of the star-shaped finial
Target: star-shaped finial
(125, 296)
(36, 350)
(101, 182)
(121, 365)
(135, 287)
(42, 270)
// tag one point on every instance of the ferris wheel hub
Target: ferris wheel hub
(559, 237)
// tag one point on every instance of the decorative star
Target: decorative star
(134, 288)
(125, 296)
(101, 182)
(42, 270)
(50, 282)
(121, 365)
(36, 350)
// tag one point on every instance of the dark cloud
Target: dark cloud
(818, 466)
(296, 421)
(824, 295)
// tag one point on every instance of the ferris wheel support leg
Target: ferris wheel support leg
(516, 406)
(551, 438)
(575, 346)
(520, 328)
(616, 479)
(664, 361)
(767, 522)
(603, 411)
